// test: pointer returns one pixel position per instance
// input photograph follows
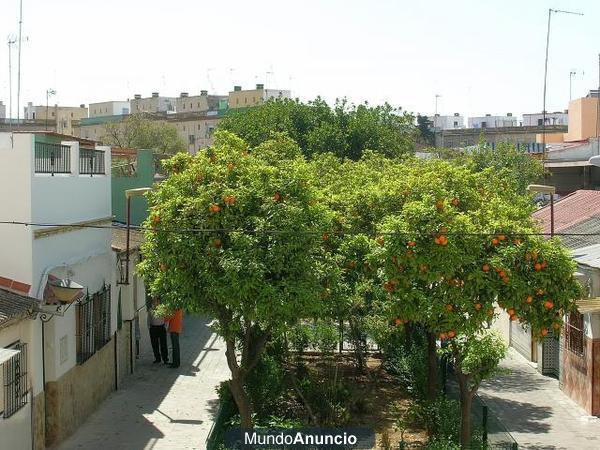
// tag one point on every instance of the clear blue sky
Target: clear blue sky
(481, 56)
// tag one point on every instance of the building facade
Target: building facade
(84, 343)
(455, 121)
(63, 117)
(153, 104)
(2, 110)
(239, 98)
(523, 137)
(552, 118)
(113, 108)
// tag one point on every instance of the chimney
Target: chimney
(260, 86)
(155, 94)
(237, 88)
(508, 114)
(488, 115)
(184, 94)
(203, 93)
(456, 114)
(137, 96)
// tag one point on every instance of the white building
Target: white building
(554, 118)
(489, 121)
(448, 122)
(113, 108)
(2, 110)
(67, 187)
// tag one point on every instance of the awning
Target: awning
(7, 353)
(588, 305)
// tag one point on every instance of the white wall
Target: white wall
(493, 121)
(15, 205)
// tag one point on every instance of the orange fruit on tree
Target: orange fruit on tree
(412, 244)
(477, 306)
(218, 243)
(325, 237)
(437, 240)
(511, 312)
(451, 334)
(398, 322)
(230, 167)
(277, 197)
(485, 268)
(156, 219)
(502, 274)
(439, 205)
(394, 260)
(544, 332)
(449, 308)
(495, 241)
(163, 267)
(443, 336)
(490, 312)
(517, 242)
(501, 237)
(544, 264)
(455, 201)
(443, 240)
(380, 241)
(389, 286)
(513, 317)
(548, 304)
(537, 267)
(214, 208)
(529, 299)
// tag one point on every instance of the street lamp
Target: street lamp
(49, 93)
(129, 193)
(550, 11)
(544, 189)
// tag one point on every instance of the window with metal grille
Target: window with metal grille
(574, 337)
(93, 324)
(91, 162)
(14, 381)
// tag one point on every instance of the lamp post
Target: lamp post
(49, 92)
(550, 11)
(544, 189)
(129, 193)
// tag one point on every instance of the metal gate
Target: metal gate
(550, 356)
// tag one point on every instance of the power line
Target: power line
(271, 231)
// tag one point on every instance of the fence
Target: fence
(52, 158)
(91, 162)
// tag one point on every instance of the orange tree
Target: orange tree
(232, 236)
(462, 244)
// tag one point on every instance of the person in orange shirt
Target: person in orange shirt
(175, 323)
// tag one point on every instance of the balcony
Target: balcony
(52, 158)
(91, 162)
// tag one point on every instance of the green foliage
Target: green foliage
(266, 386)
(138, 131)
(441, 418)
(326, 336)
(345, 130)
(272, 279)
(512, 164)
(477, 356)
(329, 398)
(409, 364)
(300, 337)
(425, 125)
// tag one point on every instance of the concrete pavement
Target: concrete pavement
(536, 412)
(158, 407)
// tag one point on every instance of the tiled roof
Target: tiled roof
(570, 210)
(588, 233)
(14, 306)
(119, 239)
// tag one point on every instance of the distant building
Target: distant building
(103, 109)
(2, 110)
(153, 104)
(489, 121)
(448, 122)
(583, 118)
(198, 103)
(62, 117)
(554, 118)
(239, 98)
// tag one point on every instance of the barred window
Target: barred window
(14, 381)
(93, 324)
(574, 338)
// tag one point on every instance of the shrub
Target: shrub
(266, 386)
(300, 337)
(326, 337)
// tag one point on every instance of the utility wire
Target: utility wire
(267, 231)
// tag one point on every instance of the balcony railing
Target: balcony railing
(91, 162)
(52, 158)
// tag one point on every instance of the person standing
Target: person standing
(175, 323)
(158, 335)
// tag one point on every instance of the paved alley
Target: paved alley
(158, 407)
(536, 412)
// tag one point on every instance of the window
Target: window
(191, 139)
(540, 122)
(455, 124)
(483, 124)
(574, 338)
(14, 381)
(93, 324)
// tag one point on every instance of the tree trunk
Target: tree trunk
(432, 368)
(236, 386)
(466, 400)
